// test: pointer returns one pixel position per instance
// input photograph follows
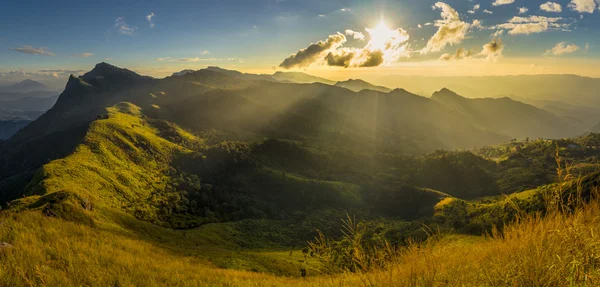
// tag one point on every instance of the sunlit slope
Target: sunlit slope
(122, 162)
(163, 174)
(54, 252)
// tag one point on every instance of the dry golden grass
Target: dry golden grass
(561, 248)
(556, 250)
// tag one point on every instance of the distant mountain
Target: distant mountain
(359, 85)
(572, 89)
(300, 78)
(246, 76)
(25, 86)
(508, 117)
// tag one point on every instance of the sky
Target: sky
(334, 38)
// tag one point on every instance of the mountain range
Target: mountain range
(22, 102)
(347, 115)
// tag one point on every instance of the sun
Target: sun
(380, 35)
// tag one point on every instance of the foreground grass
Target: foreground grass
(556, 250)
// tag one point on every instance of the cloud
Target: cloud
(491, 52)
(498, 34)
(33, 50)
(451, 30)
(486, 11)
(83, 55)
(523, 10)
(195, 59)
(475, 8)
(551, 7)
(563, 48)
(459, 55)
(583, 6)
(356, 35)
(123, 28)
(532, 24)
(384, 46)
(314, 52)
(502, 2)
(205, 52)
(149, 19)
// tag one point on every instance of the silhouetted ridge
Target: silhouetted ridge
(75, 91)
(107, 77)
(446, 93)
(358, 85)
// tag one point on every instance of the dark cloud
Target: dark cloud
(340, 59)
(314, 52)
(372, 59)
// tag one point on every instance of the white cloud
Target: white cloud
(583, 6)
(491, 51)
(205, 52)
(196, 59)
(149, 19)
(532, 24)
(83, 55)
(451, 29)
(459, 55)
(498, 34)
(475, 8)
(26, 49)
(523, 10)
(356, 35)
(551, 7)
(486, 11)
(123, 27)
(563, 48)
(502, 2)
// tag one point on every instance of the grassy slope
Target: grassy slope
(122, 166)
(91, 239)
(558, 250)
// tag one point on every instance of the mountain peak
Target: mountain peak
(446, 93)
(106, 68)
(108, 77)
(359, 85)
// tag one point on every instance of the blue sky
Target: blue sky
(258, 35)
